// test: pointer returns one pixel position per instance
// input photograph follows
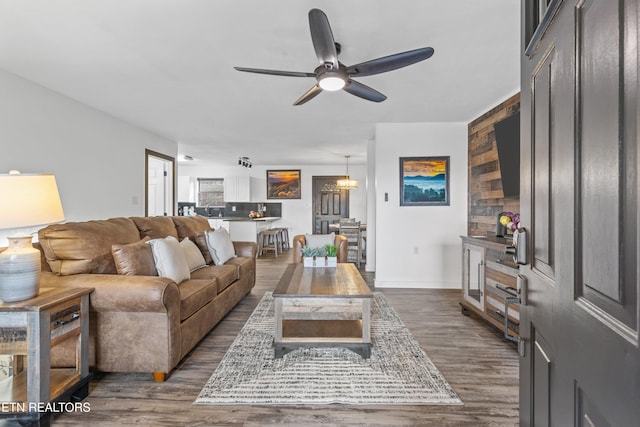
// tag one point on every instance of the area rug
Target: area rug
(398, 371)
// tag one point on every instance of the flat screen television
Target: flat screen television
(507, 134)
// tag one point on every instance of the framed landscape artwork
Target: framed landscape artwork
(424, 181)
(283, 184)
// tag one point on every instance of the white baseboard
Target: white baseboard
(416, 285)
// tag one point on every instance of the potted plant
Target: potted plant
(331, 259)
(309, 255)
(320, 257)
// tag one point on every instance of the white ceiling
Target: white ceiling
(167, 66)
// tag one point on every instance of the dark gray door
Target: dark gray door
(579, 202)
(329, 204)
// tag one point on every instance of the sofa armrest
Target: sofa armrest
(114, 292)
(246, 249)
(343, 248)
(298, 243)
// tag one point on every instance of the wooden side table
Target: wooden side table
(31, 328)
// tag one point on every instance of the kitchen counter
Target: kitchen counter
(247, 219)
(247, 229)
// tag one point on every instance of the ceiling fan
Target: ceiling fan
(332, 75)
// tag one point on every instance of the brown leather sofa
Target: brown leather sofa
(142, 323)
(299, 241)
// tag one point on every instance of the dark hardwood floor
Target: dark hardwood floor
(478, 363)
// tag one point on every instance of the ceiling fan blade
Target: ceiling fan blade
(275, 72)
(310, 94)
(322, 38)
(389, 63)
(364, 91)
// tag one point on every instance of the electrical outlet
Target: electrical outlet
(233, 208)
(415, 250)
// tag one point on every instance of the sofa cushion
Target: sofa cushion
(134, 259)
(319, 240)
(85, 247)
(194, 294)
(194, 257)
(188, 226)
(156, 227)
(224, 275)
(169, 259)
(200, 240)
(244, 265)
(220, 246)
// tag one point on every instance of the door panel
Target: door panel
(602, 140)
(337, 204)
(579, 156)
(588, 414)
(329, 204)
(542, 223)
(599, 89)
(541, 382)
(324, 204)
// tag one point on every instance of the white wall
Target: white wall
(419, 246)
(297, 213)
(97, 159)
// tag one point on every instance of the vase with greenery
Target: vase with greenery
(331, 259)
(331, 250)
(319, 257)
(309, 255)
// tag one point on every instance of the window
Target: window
(211, 192)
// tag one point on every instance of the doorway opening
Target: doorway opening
(160, 184)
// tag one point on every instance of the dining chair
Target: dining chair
(351, 230)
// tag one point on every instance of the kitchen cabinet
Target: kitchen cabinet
(237, 189)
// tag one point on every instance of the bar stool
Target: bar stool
(284, 238)
(269, 241)
(259, 239)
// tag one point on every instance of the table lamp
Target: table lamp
(26, 200)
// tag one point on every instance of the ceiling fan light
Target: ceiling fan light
(331, 83)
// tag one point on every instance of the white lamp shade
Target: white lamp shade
(347, 184)
(28, 200)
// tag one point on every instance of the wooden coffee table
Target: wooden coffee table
(326, 306)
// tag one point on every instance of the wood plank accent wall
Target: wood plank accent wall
(486, 199)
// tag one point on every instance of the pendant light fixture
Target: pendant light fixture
(347, 183)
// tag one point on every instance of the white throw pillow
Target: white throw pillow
(194, 257)
(169, 259)
(319, 240)
(220, 246)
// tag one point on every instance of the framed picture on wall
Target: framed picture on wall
(283, 184)
(424, 181)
